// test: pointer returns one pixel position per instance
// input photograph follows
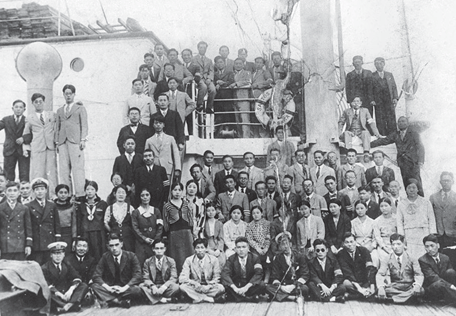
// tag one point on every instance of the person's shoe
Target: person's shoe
(221, 298)
(340, 299)
(125, 304)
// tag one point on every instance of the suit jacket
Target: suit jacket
(387, 176)
(255, 175)
(181, 104)
(269, 208)
(335, 235)
(317, 203)
(193, 68)
(144, 103)
(249, 66)
(353, 196)
(60, 281)
(45, 224)
(173, 125)
(433, 272)
(360, 269)
(162, 87)
(374, 196)
(126, 169)
(317, 230)
(72, 127)
(277, 73)
(359, 85)
(206, 66)
(242, 78)
(299, 174)
(224, 204)
(85, 269)
(13, 131)
(292, 203)
(206, 188)
(373, 210)
(276, 198)
(262, 78)
(168, 270)
(158, 65)
(228, 78)
(287, 151)
(364, 116)
(231, 273)
(299, 271)
(154, 181)
(180, 72)
(331, 275)
(15, 228)
(345, 200)
(142, 134)
(130, 270)
(376, 86)
(166, 153)
(43, 135)
(410, 150)
(319, 183)
(251, 195)
(219, 180)
(445, 215)
(407, 274)
(191, 270)
(359, 171)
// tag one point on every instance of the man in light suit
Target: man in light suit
(206, 189)
(319, 172)
(39, 132)
(299, 171)
(351, 191)
(210, 168)
(160, 60)
(277, 71)
(384, 93)
(71, 130)
(351, 165)
(159, 275)
(247, 65)
(12, 148)
(232, 197)
(207, 72)
(224, 51)
(200, 275)
(317, 202)
(355, 120)
(269, 206)
(139, 100)
(400, 277)
(148, 85)
(255, 174)
(359, 83)
(379, 170)
(309, 228)
(181, 73)
(242, 80)
(444, 204)
(287, 148)
(179, 101)
(165, 149)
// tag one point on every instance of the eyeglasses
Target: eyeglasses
(320, 250)
(158, 248)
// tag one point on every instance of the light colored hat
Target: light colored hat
(281, 235)
(40, 182)
(57, 246)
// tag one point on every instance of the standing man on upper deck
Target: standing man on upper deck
(207, 72)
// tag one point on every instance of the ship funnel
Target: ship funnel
(39, 64)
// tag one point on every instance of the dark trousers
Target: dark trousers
(271, 289)
(9, 165)
(14, 256)
(385, 117)
(315, 292)
(441, 288)
(256, 289)
(446, 241)
(409, 170)
(133, 293)
(76, 298)
(40, 256)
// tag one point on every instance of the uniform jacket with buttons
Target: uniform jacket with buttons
(45, 224)
(15, 228)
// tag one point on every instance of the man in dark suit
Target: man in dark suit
(12, 147)
(223, 78)
(330, 183)
(67, 288)
(154, 71)
(359, 83)
(219, 179)
(173, 123)
(140, 131)
(277, 71)
(243, 180)
(336, 225)
(439, 275)
(379, 170)
(117, 276)
(410, 151)
(290, 203)
(16, 236)
(81, 261)
(444, 204)
(384, 93)
(248, 65)
(271, 191)
(224, 52)
(373, 208)
(231, 197)
(268, 205)
(206, 189)
(377, 190)
(195, 70)
(357, 268)
(128, 162)
(162, 85)
(152, 177)
(243, 273)
(45, 221)
(326, 278)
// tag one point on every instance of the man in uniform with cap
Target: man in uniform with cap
(45, 221)
(359, 83)
(67, 289)
(15, 226)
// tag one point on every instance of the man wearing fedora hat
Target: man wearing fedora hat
(67, 289)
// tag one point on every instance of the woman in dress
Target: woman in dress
(259, 238)
(117, 218)
(233, 229)
(67, 216)
(384, 226)
(178, 223)
(213, 232)
(196, 205)
(147, 225)
(415, 219)
(90, 214)
(363, 230)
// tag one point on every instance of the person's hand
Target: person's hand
(395, 102)
(373, 103)
(381, 293)
(208, 81)
(205, 288)
(243, 290)
(26, 153)
(233, 85)
(161, 290)
(20, 141)
(325, 290)
(108, 288)
(288, 288)
(60, 295)
(416, 290)
(115, 288)
(68, 294)
(154, 290)
(334, 249)
(181, 147)
(365, 292)
(351, 134)
(149, 241)
(28, 251)
(82, 145)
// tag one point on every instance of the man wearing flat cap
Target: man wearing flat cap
(359, 83)
(45, 221)
(67, 289)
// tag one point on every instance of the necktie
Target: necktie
(248, 171)
(146, 88)
(437, 261)
(397, 202)
(58, 268)
(150, 169)
(159, 265)
(378, 198)
(402, 135)
(243, 268)
(117, 260)
(243, 190)
(318, 172)
(42, 118)
(130, 158)
(399, 263)
(379, 171)
(81, 259)
(209, 170)
(17, 119)
(270, 196)
(445, 196)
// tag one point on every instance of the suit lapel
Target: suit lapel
(111, 264)
(46, 211)
(123, 261)
(16, 210)
(153, 268)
